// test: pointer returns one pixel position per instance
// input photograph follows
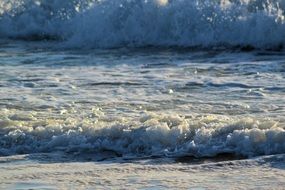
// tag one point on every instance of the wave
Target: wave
(139, 23)
(150, 135)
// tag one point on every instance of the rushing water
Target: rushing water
(141, 101)
(142, 79)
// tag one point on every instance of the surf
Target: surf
(117, 23)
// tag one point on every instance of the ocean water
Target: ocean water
(142, 94)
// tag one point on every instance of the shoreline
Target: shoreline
(265, 172)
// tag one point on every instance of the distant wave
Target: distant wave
(138, 23)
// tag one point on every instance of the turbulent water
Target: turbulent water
(181, 79)
(117, 23)
(141, 102)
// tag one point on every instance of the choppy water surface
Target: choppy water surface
(137, 102)
(177, 82)
(171, 94)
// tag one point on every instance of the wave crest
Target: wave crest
(151, 135)
(136, 23)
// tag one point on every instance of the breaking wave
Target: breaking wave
(138, 23)
(151, 135)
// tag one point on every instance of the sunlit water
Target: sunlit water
(155, 94)
(141, 101)
(131, 104)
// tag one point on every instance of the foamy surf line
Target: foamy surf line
(137, 23)
(150, 136)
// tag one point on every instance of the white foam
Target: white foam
(164, 135)
(115, 23)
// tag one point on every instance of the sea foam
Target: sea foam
(138, 23)
(151, 135)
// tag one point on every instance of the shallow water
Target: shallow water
(141, 102)
(148, 91)
(259, 173)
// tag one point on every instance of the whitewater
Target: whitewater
(142, 94)
(136, 23)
